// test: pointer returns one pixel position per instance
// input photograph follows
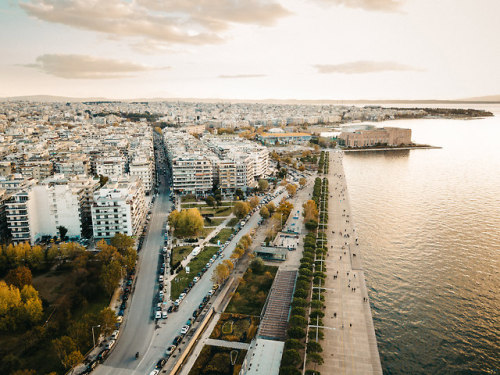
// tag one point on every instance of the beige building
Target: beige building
(375, 137)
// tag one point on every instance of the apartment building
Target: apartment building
(73, 165)
(192, 174)
(38, 169)
(111, 166)
(143, 168)
(236, 173)
(119, 207)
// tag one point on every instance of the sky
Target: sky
(251, 49)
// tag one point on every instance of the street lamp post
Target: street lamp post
(93, 336)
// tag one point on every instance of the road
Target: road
(139, 332)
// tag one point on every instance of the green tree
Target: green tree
(315, 358)
(263, 185)
(122, 242)
(62, 232)
(289, 370)
(314, 347)
(291, 357)
(107, 320)
(19, 277)
(241, 209)
(264, 212)
(257, 266)
(298, 321)
(296, 333)
(63, 346)
(110, 276)
(211, 201)
(293, 344)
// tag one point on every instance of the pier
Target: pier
(349, 345)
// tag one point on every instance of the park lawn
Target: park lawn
(180, 252)
(251, 295)
(223, 235)
(188, 198)
(183, 279)
(217, 360)
(207, 231)
(223, 211)
(231, 223)
(213, 222)
(235, 327)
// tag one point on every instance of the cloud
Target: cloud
(372, 5)
(360, 67)
(86, 67)
(230, 76)
(193, 22)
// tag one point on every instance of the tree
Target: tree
(315, 358)
(122, 242)
(158, 129)
(271, 207)
(263, 185)
(264, 212)
(110, 276)
(220, 274)
(211, 201)
(289, 370)
(241, 209)
(302, 180)
(33, 310)
(187, 223)
(293, 344)
(63, 346)
(292, 357)
(228, 264)
(298, 321)
(107, 321)
(19, 277)
(24, 372)
(314, 347)
(254, 202)
(291, 189)
(302, 168)
(296, 333)
(311, 225)
(103, 180)
(239, 194)
(74, 358)
(257, 266)
(310, 211)
(62, 232)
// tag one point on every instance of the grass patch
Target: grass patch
(231, 223)
(213, 222)
(206, 232)
(218, 360)
(223, 211)
(235, 327)
(252, 292)
(223, 235)
(180, 252)
(188, 198)
(183, 279)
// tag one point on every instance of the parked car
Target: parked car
(170, 350)
(160, 363)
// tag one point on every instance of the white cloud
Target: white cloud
(178, 21)
(86, 67)
(363, 66)
(372, 5)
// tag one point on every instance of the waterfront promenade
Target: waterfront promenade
(350, 346)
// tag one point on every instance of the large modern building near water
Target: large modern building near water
(374, 137)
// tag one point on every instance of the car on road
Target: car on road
(170, 350)
(184, 330)
(170, 308)
(177, 340)
(119, 319)
(110, 344)
(195, 280)
(158, 315)
(115, 334)
(164, 315)
(182, 296)
(154, 372)
(160, 363)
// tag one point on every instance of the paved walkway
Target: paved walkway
(349, 344)
(228, 344)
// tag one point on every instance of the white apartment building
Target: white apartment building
(143, 169)
(236, 173)
(74, 165)
(119, 207)
(111, 166)
(192, 174)
(39, 210)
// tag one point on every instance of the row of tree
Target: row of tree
(224, 269)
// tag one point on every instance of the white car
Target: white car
(184, 330)
(195, 280)
(154, 372)
(110, 344)
(115, 334)
(158, 315)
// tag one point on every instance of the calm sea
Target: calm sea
(429, 221)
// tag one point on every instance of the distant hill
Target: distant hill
(63, 99)
(489, 98)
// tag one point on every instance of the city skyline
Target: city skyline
(324, 49)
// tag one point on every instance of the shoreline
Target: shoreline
(366, 149)
(350, 340)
